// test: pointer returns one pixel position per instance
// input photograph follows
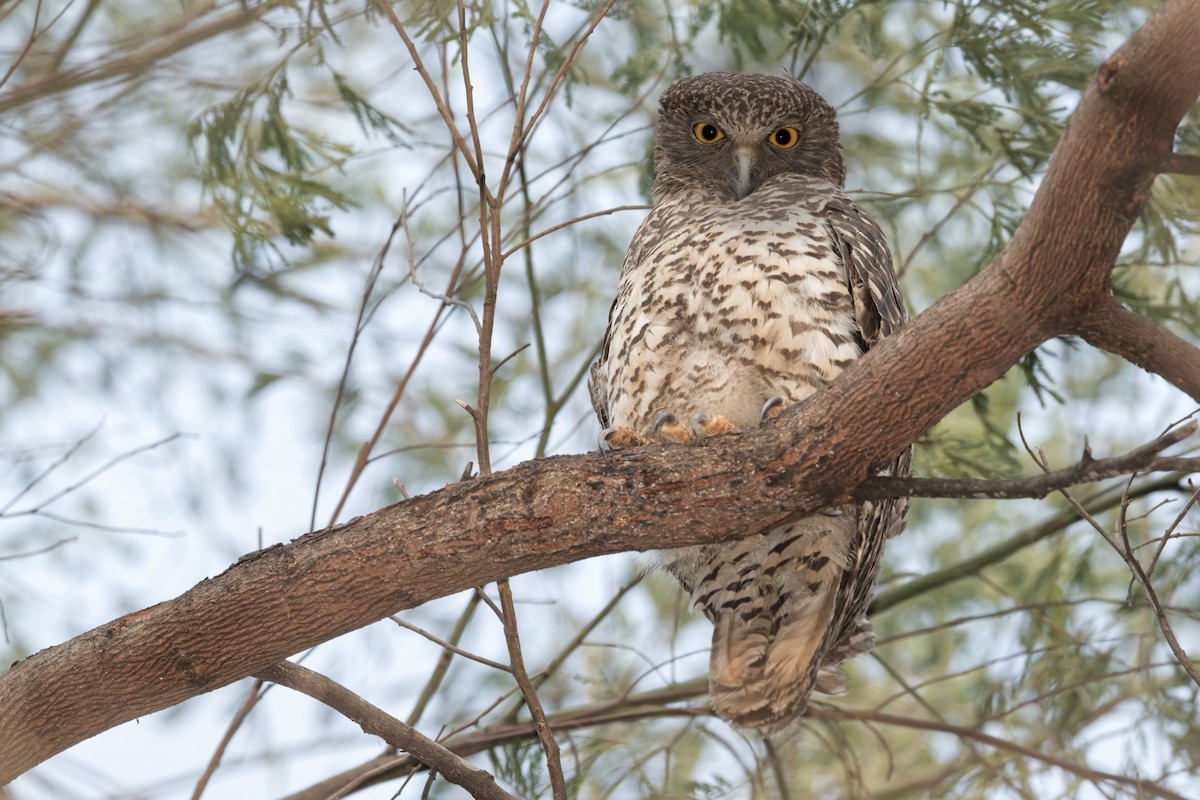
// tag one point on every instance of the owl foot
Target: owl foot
(771, 409)
(704, 425)
(667, 429)
(620, 437)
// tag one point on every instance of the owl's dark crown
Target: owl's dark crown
(750, 116)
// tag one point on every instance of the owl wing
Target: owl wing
(597, 385)
(879, 312)
(861, 245)
(598, 378)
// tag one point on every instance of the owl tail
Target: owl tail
(762, 678)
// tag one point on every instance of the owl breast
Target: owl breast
(723, 306)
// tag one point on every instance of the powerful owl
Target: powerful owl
(752, 283)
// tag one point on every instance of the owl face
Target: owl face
(725, 133)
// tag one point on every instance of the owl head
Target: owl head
(724, 133)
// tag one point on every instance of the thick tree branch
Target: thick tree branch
(1120, 331)
(553, 511)
(1088, 470)
(478, 782)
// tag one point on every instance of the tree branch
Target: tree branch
(284, 599)
(1103, 501)
(1120, 331)
(1144, 787)
(641, 706)
(1180, 164)
(372, 720)
(558, 786)
(1088, 470)
(188, 32)
(654, 704)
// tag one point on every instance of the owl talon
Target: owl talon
(771, 409)
(704, 425)
(668, 429)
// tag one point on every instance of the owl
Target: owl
(752, 283)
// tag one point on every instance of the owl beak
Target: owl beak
(742, 175)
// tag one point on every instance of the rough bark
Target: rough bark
(1051, 279)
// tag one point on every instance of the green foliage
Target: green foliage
(260, 171)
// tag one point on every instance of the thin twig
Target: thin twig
(443, 109)
(576, 641)
(641, 707)
(443, 663)
(256, 694)
(1088, 470)
(50, 468)
(1145, 787)
(37, 552)
(1169, 533)
(91, 476)
(558, 786)
(412, 268)
(487, 662)
(374, 721)
(1125, 551)
(567, 224)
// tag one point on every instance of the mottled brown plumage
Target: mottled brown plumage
(754, 278)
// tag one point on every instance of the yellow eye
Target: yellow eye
(785, 138)
(707, 132)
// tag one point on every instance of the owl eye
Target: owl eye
(707, 132)
(785, 138)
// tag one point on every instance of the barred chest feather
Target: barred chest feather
(724, 306)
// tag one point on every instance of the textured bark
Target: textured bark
(1052, 279)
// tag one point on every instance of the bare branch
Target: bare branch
(487, 662)
(996, 553)
(558, 786)
(443, 663)
(256, 694)
(1088, 470)
(568, 223)
(1144, 787)
(197, 28)
(1180, 164)
(445, 298)
(1125, 550)
(443, 109)
(372, 720)
(39, 507)
(645, 705)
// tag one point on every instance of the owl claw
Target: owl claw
(668, 429)
(771, 409)
(704, 425)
